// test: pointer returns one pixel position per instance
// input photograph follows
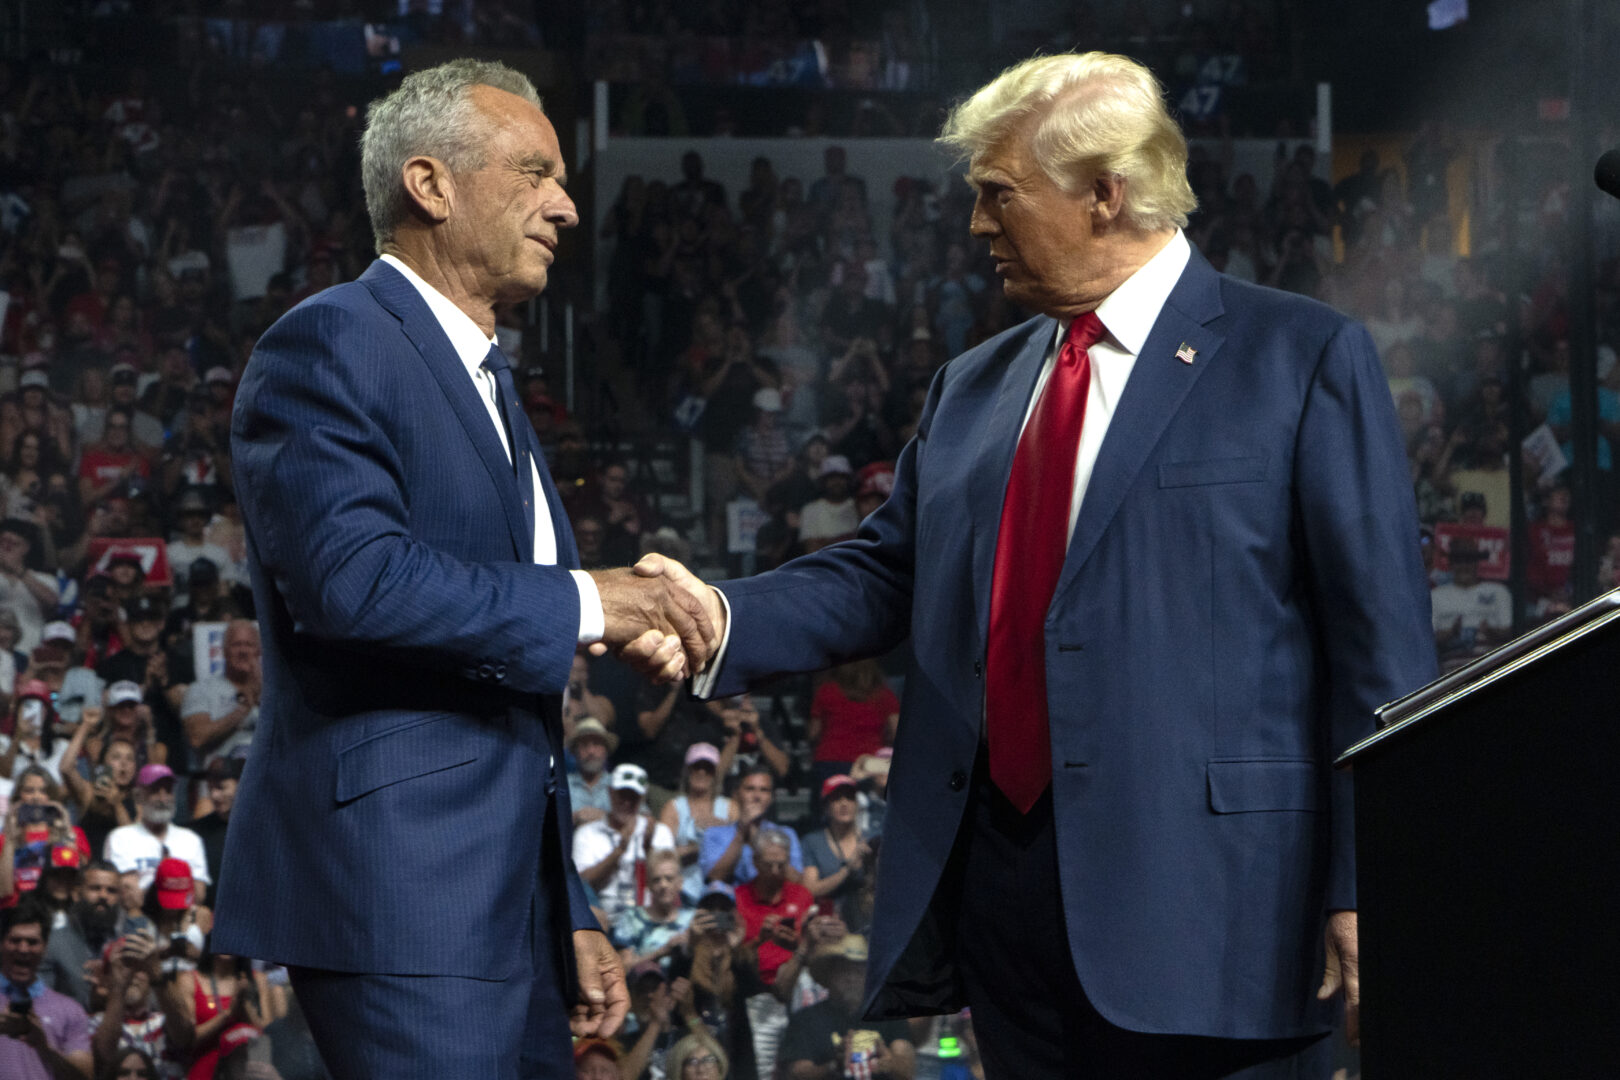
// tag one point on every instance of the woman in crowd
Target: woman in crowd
(35, 826)
(129, 1065)
(656, 931)
(107, 800)
(10, 634)
(170, 905)
(130, 721)
(222, 994)
(698, 806)
(836, 859)
(853, 713)
(25, 472)
(33, 737)
(696, 1057)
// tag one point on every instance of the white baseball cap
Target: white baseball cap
(629, 777)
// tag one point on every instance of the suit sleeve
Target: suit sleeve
(325, 502)
(846, 601)
(1368, 588)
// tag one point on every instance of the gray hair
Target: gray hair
(431, 114)
(771, 836)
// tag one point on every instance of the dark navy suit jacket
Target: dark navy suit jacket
(393, 817)
(1243, 588)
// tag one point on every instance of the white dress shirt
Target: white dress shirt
(472, 346)
(1128, 314)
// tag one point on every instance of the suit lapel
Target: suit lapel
(988, 487)
(400, 297)
(1159, 381)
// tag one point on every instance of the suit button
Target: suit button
(500, 672)
(978, 669)
(958, 780)
(485, 672)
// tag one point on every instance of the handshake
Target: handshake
(659, 618)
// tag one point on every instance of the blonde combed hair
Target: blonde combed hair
(1100, 114)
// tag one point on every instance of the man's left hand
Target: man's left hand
(603, 997)
(1343, 971)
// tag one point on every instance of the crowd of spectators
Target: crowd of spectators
(147, 238)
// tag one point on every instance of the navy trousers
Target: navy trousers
(1031, 1016)
(431, 1027)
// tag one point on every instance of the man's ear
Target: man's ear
(1109, 207)
(429, 186)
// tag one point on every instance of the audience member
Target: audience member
(589, 789)
(832, 1038)
(611, 852)
(220, 712)
(44, 1034)
(727, 852)
(92, 921)
(690, 813)
(837, 859)
(137, 849)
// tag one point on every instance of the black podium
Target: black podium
(1488, 864)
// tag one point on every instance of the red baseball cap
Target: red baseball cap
(174, 884)
(586, 1046)
(834, 782)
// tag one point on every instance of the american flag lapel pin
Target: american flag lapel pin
(1186, 354)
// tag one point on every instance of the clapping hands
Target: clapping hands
(659, 618)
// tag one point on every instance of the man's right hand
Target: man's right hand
(653, 623)
(662, 566)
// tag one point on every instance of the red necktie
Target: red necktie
(1029, 558)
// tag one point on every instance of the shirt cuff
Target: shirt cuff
(592, 623)
(703, 682)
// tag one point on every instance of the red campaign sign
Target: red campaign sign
(1491, 540)
(151, 550)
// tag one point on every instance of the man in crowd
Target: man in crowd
(221, 712)
(28, 593)
(221, 777)
(831, 517)
(589, 789)
(144, 1008)
(728, 850)
(830, 1039)
(1060, 677)
(191, 523)
(44, 1035)
(1471, 615)
(137, 849)
(92, 921)
(773, 908)
(611, 852)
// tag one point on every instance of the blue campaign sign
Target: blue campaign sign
(1200, 102)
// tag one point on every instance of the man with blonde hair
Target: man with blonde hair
(1155, 551)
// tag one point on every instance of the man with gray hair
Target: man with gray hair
(420, 604)
(1155, 552)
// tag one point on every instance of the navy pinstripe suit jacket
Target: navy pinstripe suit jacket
(393, 814)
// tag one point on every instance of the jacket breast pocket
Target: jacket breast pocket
(1232, 470)
(425, 745)
(1241, 787)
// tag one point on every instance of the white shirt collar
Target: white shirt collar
(465, 337)
(1129, 312)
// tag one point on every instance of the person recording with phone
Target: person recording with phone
(36, 826)
(145, 1009)
(723, 974)
(33, 739)
(44, 1035)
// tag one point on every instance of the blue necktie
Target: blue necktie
(506, 403)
